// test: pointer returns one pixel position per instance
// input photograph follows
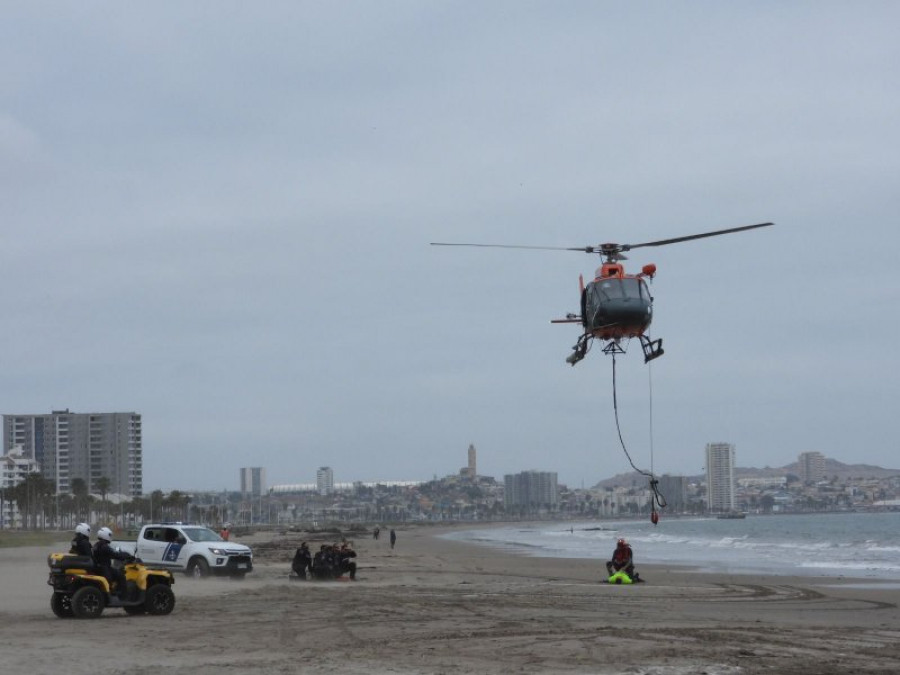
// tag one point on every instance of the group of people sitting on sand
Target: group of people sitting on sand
(331, 561)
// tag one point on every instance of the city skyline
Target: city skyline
(810, 467)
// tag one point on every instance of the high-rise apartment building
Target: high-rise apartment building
(720, 476)
(253, 481)
(812, 466)
(325, 480)
(531, 488)
(89, 446)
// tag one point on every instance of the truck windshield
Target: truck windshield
(201, 534)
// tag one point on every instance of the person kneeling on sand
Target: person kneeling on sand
(345, 563)
(622, 560)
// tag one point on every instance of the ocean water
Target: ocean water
(858, 545)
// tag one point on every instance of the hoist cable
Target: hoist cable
(650, 387)
(658, 498)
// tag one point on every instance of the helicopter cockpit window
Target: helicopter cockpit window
(631, 288)
(617, 289)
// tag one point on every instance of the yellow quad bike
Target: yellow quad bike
(81, 591)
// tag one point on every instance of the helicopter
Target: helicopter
(615, 305)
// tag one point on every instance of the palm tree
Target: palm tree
(102, 484)
(156, 501)
(80, 492)
(175, 503)
(33, 496)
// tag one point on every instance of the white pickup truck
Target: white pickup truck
(193, 549)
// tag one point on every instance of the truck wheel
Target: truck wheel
(88, 602)
(198, 568)
(160, 600)
(61, 604)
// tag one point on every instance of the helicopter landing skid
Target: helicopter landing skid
(580, 349)
(652, 348)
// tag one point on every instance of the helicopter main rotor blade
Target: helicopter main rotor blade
(612, 251)
(663, 242)
(587, 249)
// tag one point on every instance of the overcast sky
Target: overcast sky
(218, 215)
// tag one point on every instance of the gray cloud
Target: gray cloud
(218, 216)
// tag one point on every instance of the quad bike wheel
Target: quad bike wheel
(159, 600)
(61, 604)
(88, 602)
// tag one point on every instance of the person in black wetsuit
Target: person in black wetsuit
(320, 565)
(345, 563)
(302, 561)
(622, 559)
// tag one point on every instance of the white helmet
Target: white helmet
(83, 528)
(105, 534)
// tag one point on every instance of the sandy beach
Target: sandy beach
(438, 606)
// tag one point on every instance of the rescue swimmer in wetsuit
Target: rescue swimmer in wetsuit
(622, 560)
(104, 554)
(345, 564)
(302, 561)
(81, 544)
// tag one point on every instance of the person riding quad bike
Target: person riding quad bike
(81, 544)
(104, 554)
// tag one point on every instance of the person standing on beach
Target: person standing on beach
(376, 532)
(302, 561)
(393, 539)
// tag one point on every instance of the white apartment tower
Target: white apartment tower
(253, 481)
(89, 446)
(812, 466)
(531, 488)
(720, 477)
(325, 480)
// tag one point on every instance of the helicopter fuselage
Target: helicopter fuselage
(616, 305)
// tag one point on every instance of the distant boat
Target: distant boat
(732, 515)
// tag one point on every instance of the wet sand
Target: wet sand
(438, 606)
